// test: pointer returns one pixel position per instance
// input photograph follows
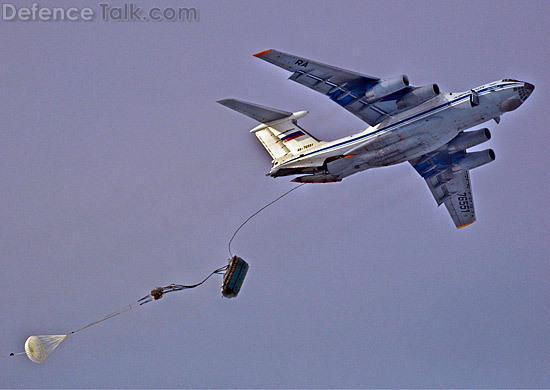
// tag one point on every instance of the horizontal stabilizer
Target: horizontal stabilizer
(255, 111)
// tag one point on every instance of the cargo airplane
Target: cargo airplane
(420, 125)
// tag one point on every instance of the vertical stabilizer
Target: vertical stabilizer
(279, 132)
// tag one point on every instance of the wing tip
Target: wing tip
(466, 224)
(262, 53)
(225, 102)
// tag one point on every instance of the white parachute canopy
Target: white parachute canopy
(38, 348)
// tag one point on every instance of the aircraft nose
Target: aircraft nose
(527, 89)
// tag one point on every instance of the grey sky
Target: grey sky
(121, 173)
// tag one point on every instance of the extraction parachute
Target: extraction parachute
(37, 348)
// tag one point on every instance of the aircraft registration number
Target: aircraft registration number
(305, 147)
(463, 203)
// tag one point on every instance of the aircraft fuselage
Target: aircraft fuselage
(409, 134)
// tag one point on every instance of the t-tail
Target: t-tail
(279, 132)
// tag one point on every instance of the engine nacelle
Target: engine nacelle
(469, 139)
(386, 87)
(474, 160)
(418, 96)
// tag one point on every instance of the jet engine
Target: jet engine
(474, 160)
(418, 96)
(386, 87)
(469, 139)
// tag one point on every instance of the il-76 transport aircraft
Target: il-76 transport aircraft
(420, 125)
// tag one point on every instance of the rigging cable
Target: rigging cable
(257, 212)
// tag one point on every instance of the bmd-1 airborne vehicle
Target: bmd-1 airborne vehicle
(420, 125)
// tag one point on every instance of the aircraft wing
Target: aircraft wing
(367, 97)
(448, 186)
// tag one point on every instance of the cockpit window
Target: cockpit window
(512, 80)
